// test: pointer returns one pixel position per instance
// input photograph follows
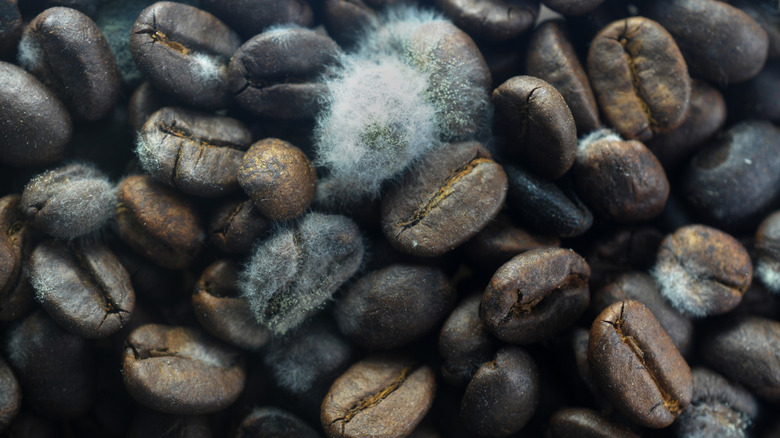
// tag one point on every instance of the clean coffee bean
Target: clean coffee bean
(640, 78)
(194, 152)
(492, 20)
(344, 19)
(147, 422)
(273, 422)
(34, 125)
(236, 226)
(536, 295)
(765, 13)
(11, 25)
(66, 50)
(10, 396)
(757, 98)
(143, 103)
(540, 126)
(572, 7)
(251, 17)
(767, 252)
(180, 370)
(382, 395)
(637, 366)
(184, 52)
(275, 74)
(622, 250)
(585, 423)
(82, 286)
(445, 199)
(15, 291)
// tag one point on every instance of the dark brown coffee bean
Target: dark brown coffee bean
(278, 177)
(572, 7)
(766, 13)
(382, 395)
(184, 52)
(195, 152)
(394, 306)
(539, 124)
(465, 342)
(273, 422)
(222, 312)
(158, 223)
(275, 73)
(10, 396)
(623, 250)
(55, 368)
(757, 98)
(10, 25)
(66, 50)
(250, 17)
(702, 271)
(446, 199)
(147, 423)
(34, 125)
(577, 341)
(345, 18)
(15, 291)
(551, 57)
(768, 252)
(179, 370)
(236, 226)
(745, 351)
(503, 395)
(143, 103)
(492, 20)
(536, 295)
(637, 365)
(640, 78)
(82, 286)
(69, 201)
(585, 423)
(621, 180)
(721, 43)
(735, 180)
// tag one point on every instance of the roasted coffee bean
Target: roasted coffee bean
(637, 365)
(545, 207)
(34, 125)
(503, 395)
(10, 25)
(744, 350)
(278, 177)
(577, 341)
(757, 98)
(702, 271)
(766, 13)
(551, 57)
(143, 103)
(621, 180)
(721, 43)
(536, 295)
(768, 252)
(394, 306)
(236, 226)
(147, 422)
(195, 152)
(446, 199)
(10, 396)
(640, 78)
(275, 74)
(66, 50)
(344, 19)
(382, 395)
(572, 7)
(540, 126)
(623, 250)
(464, 342)
(718, 408)
(184, 52)
(157, 222)
(180, 370)
(492, 20)
(275, 422)
(55, 368)
(82, 286)
(735, 180)
(585, 423)
(250, 17)
(69, 201)
(15, 291)
(499, 241)
(642, 287)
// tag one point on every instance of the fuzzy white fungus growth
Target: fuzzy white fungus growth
(677, 285)
(769, 274)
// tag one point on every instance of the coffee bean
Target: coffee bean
(34, 125)
(551, 57)
(66, 50)
(15, 291)
(10, 25)
(620, 180)
(585, 423)
(503, 395)
(278, 177)
(702, 271)
(768, 252)
(577, 341)
(493, 20)
(69, 201)
(765, 13)
(143, 103)
(394, 306)
(539, 124)
(10, 396)
(757, 98)
(158, 223)
(195, 152)
(382, 395)
(344, 19)
(275, 74)
(623, 250)
(147, 422)
(445, 199)
(236, 226)
(184, 52)
(271, 421)
(250, 17)
(536, 295)
(572, 7)
(637, 365)
(82, 286)
(179, 370)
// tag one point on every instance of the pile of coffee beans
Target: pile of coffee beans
(390, 218)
